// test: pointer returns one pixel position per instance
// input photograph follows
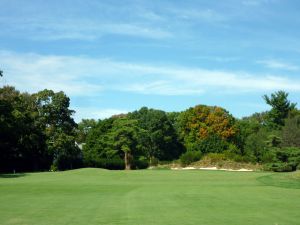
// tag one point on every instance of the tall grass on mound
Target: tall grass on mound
(222, 161)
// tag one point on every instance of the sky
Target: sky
(112, 56)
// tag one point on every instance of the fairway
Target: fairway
(96, 196)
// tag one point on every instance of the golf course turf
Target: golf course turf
(142, 197)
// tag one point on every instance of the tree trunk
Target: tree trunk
(127, 161)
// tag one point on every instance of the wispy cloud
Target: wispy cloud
(79, 76)
(255, 2)
(96, 113)
(277, 64)
(198, 15)
(81, 29)
(218, 58)
(127, 19)
(162, 87)
(33, 72)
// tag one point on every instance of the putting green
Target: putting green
(95, 196)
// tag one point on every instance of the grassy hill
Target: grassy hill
(95, 196)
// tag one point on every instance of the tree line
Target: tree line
(37, 132)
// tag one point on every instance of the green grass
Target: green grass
(95, 196)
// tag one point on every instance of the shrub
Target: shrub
(190, 157)
(140, 164)
(154, 161)
(279, 167)
(282, 159)
(268, 157)
(111, 164)
(215, 157)
(53, 168)
(213, 143)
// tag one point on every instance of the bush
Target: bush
(111, 164)
(279, 167)
(154, 161)
(53, 168)
(215, 157)
(190, 157)
(268, 157)
(140, 164)
(212, 144)
(117, 163)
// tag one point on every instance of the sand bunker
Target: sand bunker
(211, 168)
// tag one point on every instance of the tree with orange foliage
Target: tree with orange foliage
(202, 122)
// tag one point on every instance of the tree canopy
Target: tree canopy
(281, 107)
(38, 132)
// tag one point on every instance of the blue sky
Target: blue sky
(116, 56)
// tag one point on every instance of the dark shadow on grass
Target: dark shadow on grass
(279, 180)
(16, 175)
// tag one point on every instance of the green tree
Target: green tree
(125, 135)
(22, 141)
(159, 136)
(65, 154)
(281, 107)
(60, 127)
(99, 143)
(256, 145)
(291, 132)
(83, 129)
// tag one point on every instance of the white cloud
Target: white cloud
(218, 59)
(96, 113)
(32, 73)
(277, 64)
(160, 88)
(81, 76)
(79, 29)
(197, 15)
(256, 2)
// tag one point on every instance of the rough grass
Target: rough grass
(226, 164)
(95, 196)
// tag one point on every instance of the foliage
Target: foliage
(215, 157)
(83, 129)
(291, 132)
(279, 167)
(60, 127)
(281, 107)
(22, 138)
(159, 139)
(284, 159)
(36, 130)
(125, 135)
(207, 129)
(190, 157)
(117, 137)
(113, 163)
(98, 150)
(256, 145)
(202, 121)
(213, 143)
